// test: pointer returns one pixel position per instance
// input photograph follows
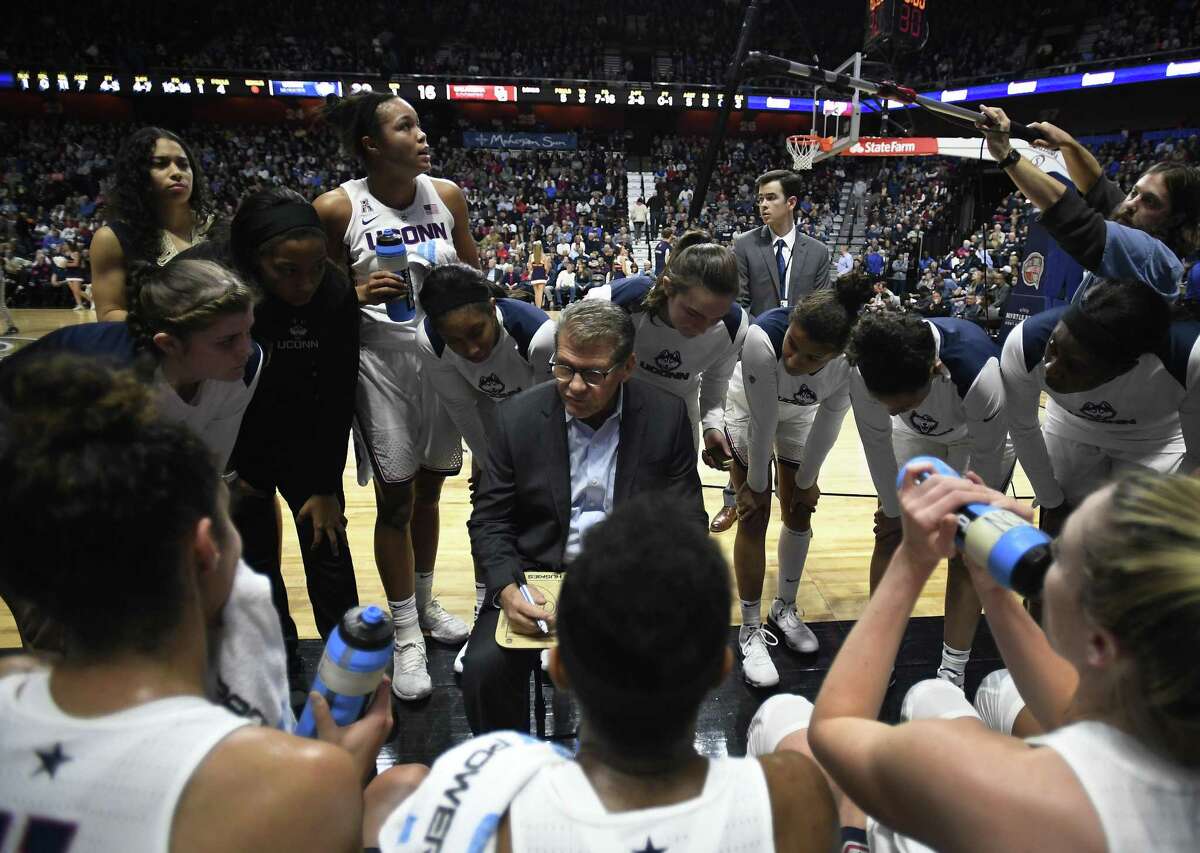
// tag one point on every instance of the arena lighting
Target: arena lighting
(596, 94)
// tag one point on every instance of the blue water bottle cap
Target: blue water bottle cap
(372, 615)
(389, 245)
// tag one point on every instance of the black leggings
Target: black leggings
(331, 586)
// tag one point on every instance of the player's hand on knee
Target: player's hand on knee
(805, 500)
(362, 739)
(328, 523)
(521, 614)
(753, 506)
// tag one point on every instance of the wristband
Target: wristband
(1010, 159)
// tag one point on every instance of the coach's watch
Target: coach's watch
(1010, 159)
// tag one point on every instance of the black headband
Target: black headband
(440, 302)
(1098, 338)
(258, 227)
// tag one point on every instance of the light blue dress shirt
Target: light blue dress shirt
(593, 458)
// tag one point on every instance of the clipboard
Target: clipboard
(550, 583)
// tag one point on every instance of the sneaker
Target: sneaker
(798, 636)
(79, 307)
(441, 625)
(458, 659)
(774, 720)
(545, 660)
(757, 667)
(410, 672)
(955, 677)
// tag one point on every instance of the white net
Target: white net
(803, 150)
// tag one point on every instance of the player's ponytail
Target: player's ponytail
(355, 117)
(827, 316)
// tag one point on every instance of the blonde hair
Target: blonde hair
(183, 297)
(1142, 583)
(695, 259)
(537, 256)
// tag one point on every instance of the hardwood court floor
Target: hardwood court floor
(834, 585)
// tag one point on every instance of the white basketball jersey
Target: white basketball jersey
(101, 783)
(426, 226)
(558, 810)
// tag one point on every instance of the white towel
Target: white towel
(247, 670)
(467, 792)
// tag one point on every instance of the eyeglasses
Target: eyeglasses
(591, 376)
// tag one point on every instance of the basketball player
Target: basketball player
(159, 206)
(689, 332)
(115, 747)
(477, 351)
(409, 439)
(639, 672)
(1149, 231)
(929, 387)
(1121, 382)
(789, 394)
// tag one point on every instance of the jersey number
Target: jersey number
(41, 834)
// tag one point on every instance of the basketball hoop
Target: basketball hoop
(804, 150)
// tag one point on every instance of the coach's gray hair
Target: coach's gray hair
(591, 321)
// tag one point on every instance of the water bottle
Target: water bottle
(1015, 552)
(352, 666)
(392, 256)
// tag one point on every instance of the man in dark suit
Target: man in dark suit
(778, 251)
(773, 253)
(563, 454)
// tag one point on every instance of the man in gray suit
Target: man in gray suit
(562, 455)
(777, 251)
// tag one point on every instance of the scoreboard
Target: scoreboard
(582, 93)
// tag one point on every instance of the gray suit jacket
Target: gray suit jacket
(522, 511)
(758, 273)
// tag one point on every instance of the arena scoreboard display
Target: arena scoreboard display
(899, 23)
(583, 93)
(615, 94)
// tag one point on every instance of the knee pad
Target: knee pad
(997, 701)
(935, 699)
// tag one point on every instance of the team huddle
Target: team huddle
(246, 360)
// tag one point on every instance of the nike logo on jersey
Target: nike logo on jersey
(366, 221)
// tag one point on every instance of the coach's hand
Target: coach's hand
(382, 286)
(996, 125)
(521, 614)
(325, 513)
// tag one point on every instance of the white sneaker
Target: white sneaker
(458, 659)
(798, 636)
(410, 672)
(955, 677)
(79, 307)
(757, 667)
(545, 658)
(774, 720)
(443, 626)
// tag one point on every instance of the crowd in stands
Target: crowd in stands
(551, 38)
(575, 204)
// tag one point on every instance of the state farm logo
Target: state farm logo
(888, 146)
(1032, 268)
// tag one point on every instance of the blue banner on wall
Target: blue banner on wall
(530, 141)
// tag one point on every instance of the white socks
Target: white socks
(751, 616)
(954, 664)
(424, 584)
(404, 619)
(793, 551)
